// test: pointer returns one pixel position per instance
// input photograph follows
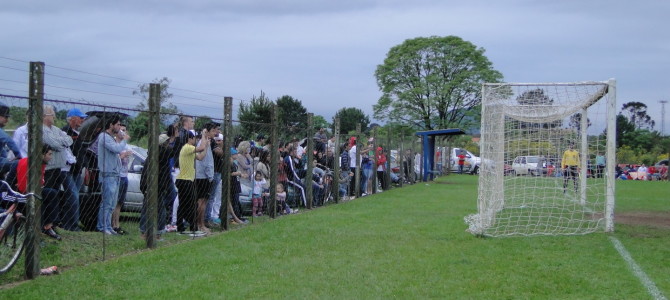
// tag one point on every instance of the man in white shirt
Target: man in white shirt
(352, 165)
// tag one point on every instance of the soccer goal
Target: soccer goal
(547, 159)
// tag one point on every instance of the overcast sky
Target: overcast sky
(324, 52)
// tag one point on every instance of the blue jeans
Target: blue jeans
(69, 203)
(110, 194)
(216, 184)
(367, 173)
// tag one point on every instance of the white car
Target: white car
(472, 162)
(529, 165)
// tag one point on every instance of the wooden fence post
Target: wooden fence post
(152, 164)
(225, 174)
(36, 112)
(274, 161)
(336, 161)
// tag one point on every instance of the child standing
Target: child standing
(257, 195)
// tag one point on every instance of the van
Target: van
(472, 162)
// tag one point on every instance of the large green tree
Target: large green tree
(292, 115)
(432, 82)
(636, 112)
(349, 118)
(256, 116)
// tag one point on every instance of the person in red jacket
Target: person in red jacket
(461, 162)
(380, 159)
(49, 196)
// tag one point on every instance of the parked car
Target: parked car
(662, 162)
(529, 165)
(134, 197)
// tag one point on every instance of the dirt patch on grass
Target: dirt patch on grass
(652, 219)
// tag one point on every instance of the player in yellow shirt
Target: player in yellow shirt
(570, 166)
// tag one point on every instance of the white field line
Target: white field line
(646, 281)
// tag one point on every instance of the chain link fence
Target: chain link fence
(113, 180)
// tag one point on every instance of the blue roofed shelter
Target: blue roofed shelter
(428, 144)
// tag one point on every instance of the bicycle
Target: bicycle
(13, 226)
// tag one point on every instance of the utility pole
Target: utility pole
(663, 102)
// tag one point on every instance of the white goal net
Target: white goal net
(548, 154)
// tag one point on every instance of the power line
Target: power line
(85, 91)
(92, 82)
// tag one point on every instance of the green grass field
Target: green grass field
(404, 243)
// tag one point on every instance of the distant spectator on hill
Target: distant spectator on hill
(642, 172)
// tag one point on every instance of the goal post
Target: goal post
(547, 159)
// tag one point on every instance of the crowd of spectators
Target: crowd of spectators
(190, 171)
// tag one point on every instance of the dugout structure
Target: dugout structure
(428, 145)
(526, 129)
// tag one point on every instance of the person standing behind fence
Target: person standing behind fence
(185, 182)
(352, 165)
(570, 165)
(366, 166)
(204, 174)
(235, 208)
(407, 166)
(381, 168)
(344, 157)
(110, 145)
(185, 125)
(20, 137)
(54, 175)
(244, 163)
(73, 178)
(123, 184)
(214, 202)
(321, 140)
(165, 184)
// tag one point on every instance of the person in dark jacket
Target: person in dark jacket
(166, 151)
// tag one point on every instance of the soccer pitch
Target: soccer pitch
(404, 243)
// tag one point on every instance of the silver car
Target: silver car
(134, 197)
